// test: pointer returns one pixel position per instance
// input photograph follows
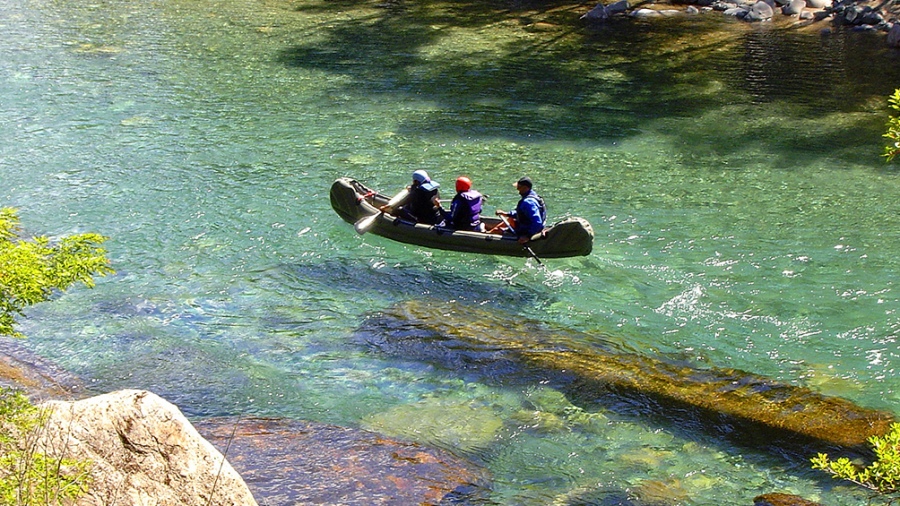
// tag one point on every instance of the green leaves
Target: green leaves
(893, 129)
(31, 270)
(882, 475)
(29, 477)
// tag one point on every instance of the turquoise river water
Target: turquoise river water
(732, 173)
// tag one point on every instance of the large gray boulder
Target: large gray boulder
(819, 4)
(893, 36)
(598, 13)
(144, 451)
(617, 7)
(794, 8)
(761, 11)
(602, 12)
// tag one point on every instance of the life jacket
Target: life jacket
(465, 210)
(524, 225)
(420, 206)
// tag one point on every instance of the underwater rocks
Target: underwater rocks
(438, 423)
(504, 348)
(294, 462)
(782, 500)
(37, 378)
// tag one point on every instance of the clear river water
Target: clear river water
(732, 173)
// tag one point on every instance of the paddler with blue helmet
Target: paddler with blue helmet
(423, 204)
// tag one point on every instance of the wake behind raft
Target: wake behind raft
(353, 202)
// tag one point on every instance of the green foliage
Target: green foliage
(893, 128)
(31, 270)
(27, 476)
(883, 475)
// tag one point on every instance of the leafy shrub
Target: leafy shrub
(893, 128)
(883, 475)
(27, 476)
(30, 271)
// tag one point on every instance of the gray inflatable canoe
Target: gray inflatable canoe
(353, 202)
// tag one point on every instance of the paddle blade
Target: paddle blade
(362, 226)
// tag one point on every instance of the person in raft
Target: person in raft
(530, 215)
(423, 204)
(465, 208)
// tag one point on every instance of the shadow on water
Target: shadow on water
(395, 282)
(570, 81)
(209, 354)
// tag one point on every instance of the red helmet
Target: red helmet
(463, 184)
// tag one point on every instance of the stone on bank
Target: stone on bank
(143, 452)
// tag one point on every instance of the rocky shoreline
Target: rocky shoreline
(857, 15)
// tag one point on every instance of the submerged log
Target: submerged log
(503, 346)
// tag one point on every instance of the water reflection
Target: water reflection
(812, 76)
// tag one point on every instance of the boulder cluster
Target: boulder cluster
(849, 13)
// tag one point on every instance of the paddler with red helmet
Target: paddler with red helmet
(465, 208)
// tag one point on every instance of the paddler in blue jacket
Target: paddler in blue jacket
(531, 213)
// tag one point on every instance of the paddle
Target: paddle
(526, 246)
(362, 226)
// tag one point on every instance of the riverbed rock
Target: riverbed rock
(617, 7)
(761, 11)
(859, 15)
(873, 18)
(779, 499)
(143, 451)
(738, 12)
(893, 36)
(819, 4)
(794, 8)
(598, 13)
(602, 12)
(289, 462)
(852, 14)
(35, 377)
(645, 13)
(439, 423)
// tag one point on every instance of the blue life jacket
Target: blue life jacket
(531, 214)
